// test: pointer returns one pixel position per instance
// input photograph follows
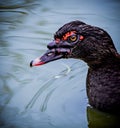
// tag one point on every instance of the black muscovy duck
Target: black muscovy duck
(94, 46)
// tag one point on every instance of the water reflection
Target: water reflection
(97, 119)
(53, 95)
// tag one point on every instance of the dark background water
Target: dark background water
(52, 95)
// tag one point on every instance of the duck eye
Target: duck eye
(73, 38)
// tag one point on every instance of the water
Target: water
(52, 95)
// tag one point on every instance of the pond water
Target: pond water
(52, 95)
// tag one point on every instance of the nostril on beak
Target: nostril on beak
(48, 46)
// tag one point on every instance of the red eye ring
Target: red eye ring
(68, 34)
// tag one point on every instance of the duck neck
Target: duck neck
(109, 62)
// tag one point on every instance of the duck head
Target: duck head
(81, 41)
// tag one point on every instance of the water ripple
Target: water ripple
(44, 87)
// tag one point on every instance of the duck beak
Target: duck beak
(55, 52)
(51, 55)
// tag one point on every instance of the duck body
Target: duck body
(94, 46)
(103, 87)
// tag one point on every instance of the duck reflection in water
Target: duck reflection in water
(98, 119)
